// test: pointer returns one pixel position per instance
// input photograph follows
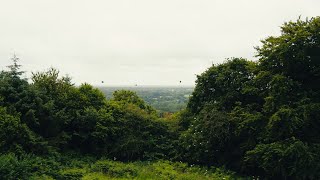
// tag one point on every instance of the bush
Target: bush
(115, 169)
(12, 167)
(72, 174)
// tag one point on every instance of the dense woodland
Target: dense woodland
(255, 118)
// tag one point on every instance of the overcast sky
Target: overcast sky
(144, 42)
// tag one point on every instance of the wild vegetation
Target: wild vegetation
(257, 118)
(71, 166)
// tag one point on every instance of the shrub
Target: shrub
(11, 167)
(115, 169)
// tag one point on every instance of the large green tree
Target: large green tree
(271, 107)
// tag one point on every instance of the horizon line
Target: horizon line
(137, 86)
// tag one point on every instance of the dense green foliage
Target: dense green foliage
(52, 115)
(258, 118)
(69, 166)
(261, 117)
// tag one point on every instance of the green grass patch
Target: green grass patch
(81, 167)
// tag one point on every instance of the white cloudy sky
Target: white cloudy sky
(144, 42)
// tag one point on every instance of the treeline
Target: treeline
(254, 117)
(50, 114)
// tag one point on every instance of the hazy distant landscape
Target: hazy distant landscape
(162, 98)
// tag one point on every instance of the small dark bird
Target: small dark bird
(180, 81)
(102, 82)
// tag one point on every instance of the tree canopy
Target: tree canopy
(261, 117)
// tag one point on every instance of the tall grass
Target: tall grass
(88, 168)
